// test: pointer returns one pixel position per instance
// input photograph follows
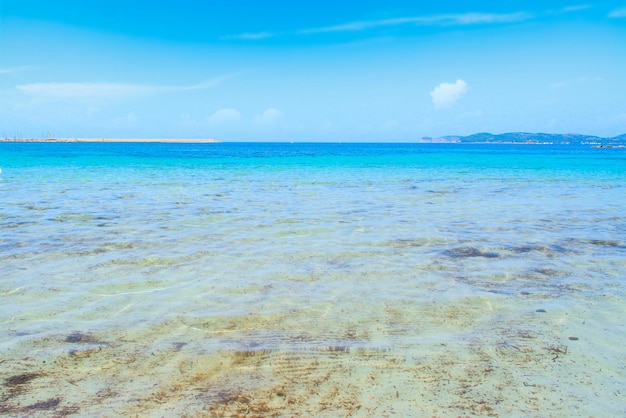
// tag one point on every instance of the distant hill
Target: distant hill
(531, 138)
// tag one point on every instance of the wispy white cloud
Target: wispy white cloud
(16, 69)
(451, 19)
(443, 20)
(434, 20)
(106, 90)
(576, 8)
(129, 119)
(250, 36)
(573, 81)
(85, 90)
(481, 18)
(447, 94)
(205, 84)
(617, 13)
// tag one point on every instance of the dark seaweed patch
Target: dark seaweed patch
(15, 385)
(79, 337)
(20, 379)
(547, 272)
(17, 224)
(407, 243)
(464, 252)
(44, 405)
(606, 243)
(530, 248)
(549, 251)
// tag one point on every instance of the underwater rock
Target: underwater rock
(76, 337)
(178, 345)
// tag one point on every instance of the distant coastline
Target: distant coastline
(157, 140)
(528, 138)
(479, 138)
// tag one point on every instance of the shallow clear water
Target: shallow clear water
(326, 279)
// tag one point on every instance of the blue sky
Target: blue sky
(310, 71)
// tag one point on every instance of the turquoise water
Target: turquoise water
(299, 279)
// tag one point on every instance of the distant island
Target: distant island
(529, 138)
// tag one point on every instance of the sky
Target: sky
(385, 71)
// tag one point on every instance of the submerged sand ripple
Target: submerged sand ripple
(519, 364)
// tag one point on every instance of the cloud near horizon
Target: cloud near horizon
(224, 116)
(11, 70)
(269, 117)
(105, 90)
(447, 94)
(85, 90)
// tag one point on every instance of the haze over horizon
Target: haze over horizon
(314, 71)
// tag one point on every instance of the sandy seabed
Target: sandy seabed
(472, 356)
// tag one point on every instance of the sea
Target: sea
(312, 279)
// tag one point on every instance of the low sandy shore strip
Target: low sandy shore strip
(161, 140)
